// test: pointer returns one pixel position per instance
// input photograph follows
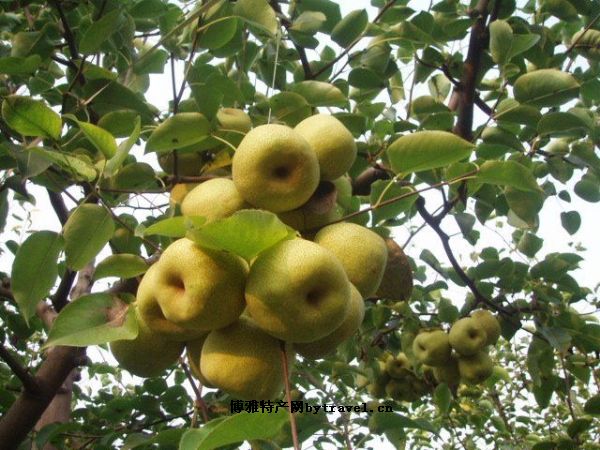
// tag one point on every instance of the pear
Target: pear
(343, 187)
(233, 125)
(244, 361)
(328, 344)
(179, 192)
(467, 336)
(194, 350)
(214, 199)
(432, 348)
(362, 252)
(303, 219)
(448, 373)
(199, 289)
(398, 367)
(148, 355)
(189, 164)
(332, 142)
(476, 368)
(377, 387)
(489, 323)
(274, 168)
(397, 281)
(151, 313)
(297, 291)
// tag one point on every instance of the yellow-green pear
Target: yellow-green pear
(244, 361)
(362, 252)
(193, 351)
(343, 187)
(303, 219)
(377, 387)
(397, 281)
(214, 199)
(467, 336)
(332, 142)
(199, 289)
(151, 313)
(148, 355)
(328, 344)
(398, 367)
(489, 323)
(189, 164)
(297, 291)
(476, 368)
(432, 347)
(233, 125)
(274, 168)
(448, 373)
(179, 192)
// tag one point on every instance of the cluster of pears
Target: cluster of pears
(234, 316)
(398, 379)
(437, 357)
(461, 354)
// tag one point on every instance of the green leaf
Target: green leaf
(350, 28)
(571, 221)
(122, 265)
(546, 87)
(232, 429)
(363, 78)
(101, 139)
(99, 31)
(319, 93)
(152, 63)
(501, 37)
(258, 13)
(172, 227)
(530, 244)
(525, 205)
(384, 190)
(14, 65)
(123, 150)
(92, 320)
(246, 233)
(86, 232)
(555, 123)
(521, 43)
(442, 397)
(381, 422)
(34, 270)
(79, 168)
(290, 108)
(592, 406)
(426, 150)
(588, 187)
(178, 131)
(31, 117)
(507, 173)
(309, 22)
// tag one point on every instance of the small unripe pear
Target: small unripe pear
(489, 323)
(475, 369)
(432, 347)
(467, 336)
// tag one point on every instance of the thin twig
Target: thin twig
(199, 403)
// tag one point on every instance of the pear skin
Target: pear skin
(432, 347)
(297, 291)
(244, 361)
(467, 336)
(148, 355)
(475, 369)
(274, 168)
(328, 344)
(489, 323)
(362, 252)
(214, 199)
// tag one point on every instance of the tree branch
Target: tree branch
(68, 34)
(466, 91)
(27, 380)
(434, 223)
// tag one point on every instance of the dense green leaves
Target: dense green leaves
(99, 31)
(35, 270)
(93, 319)
(350, 27)
(122, 265)
(86, 232)
(257, 13)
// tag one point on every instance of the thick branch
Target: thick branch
(27, 380)
(27, 409)
(466, 91)
(58, 204)
(66, 30)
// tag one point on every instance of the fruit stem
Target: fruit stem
(288, 395)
